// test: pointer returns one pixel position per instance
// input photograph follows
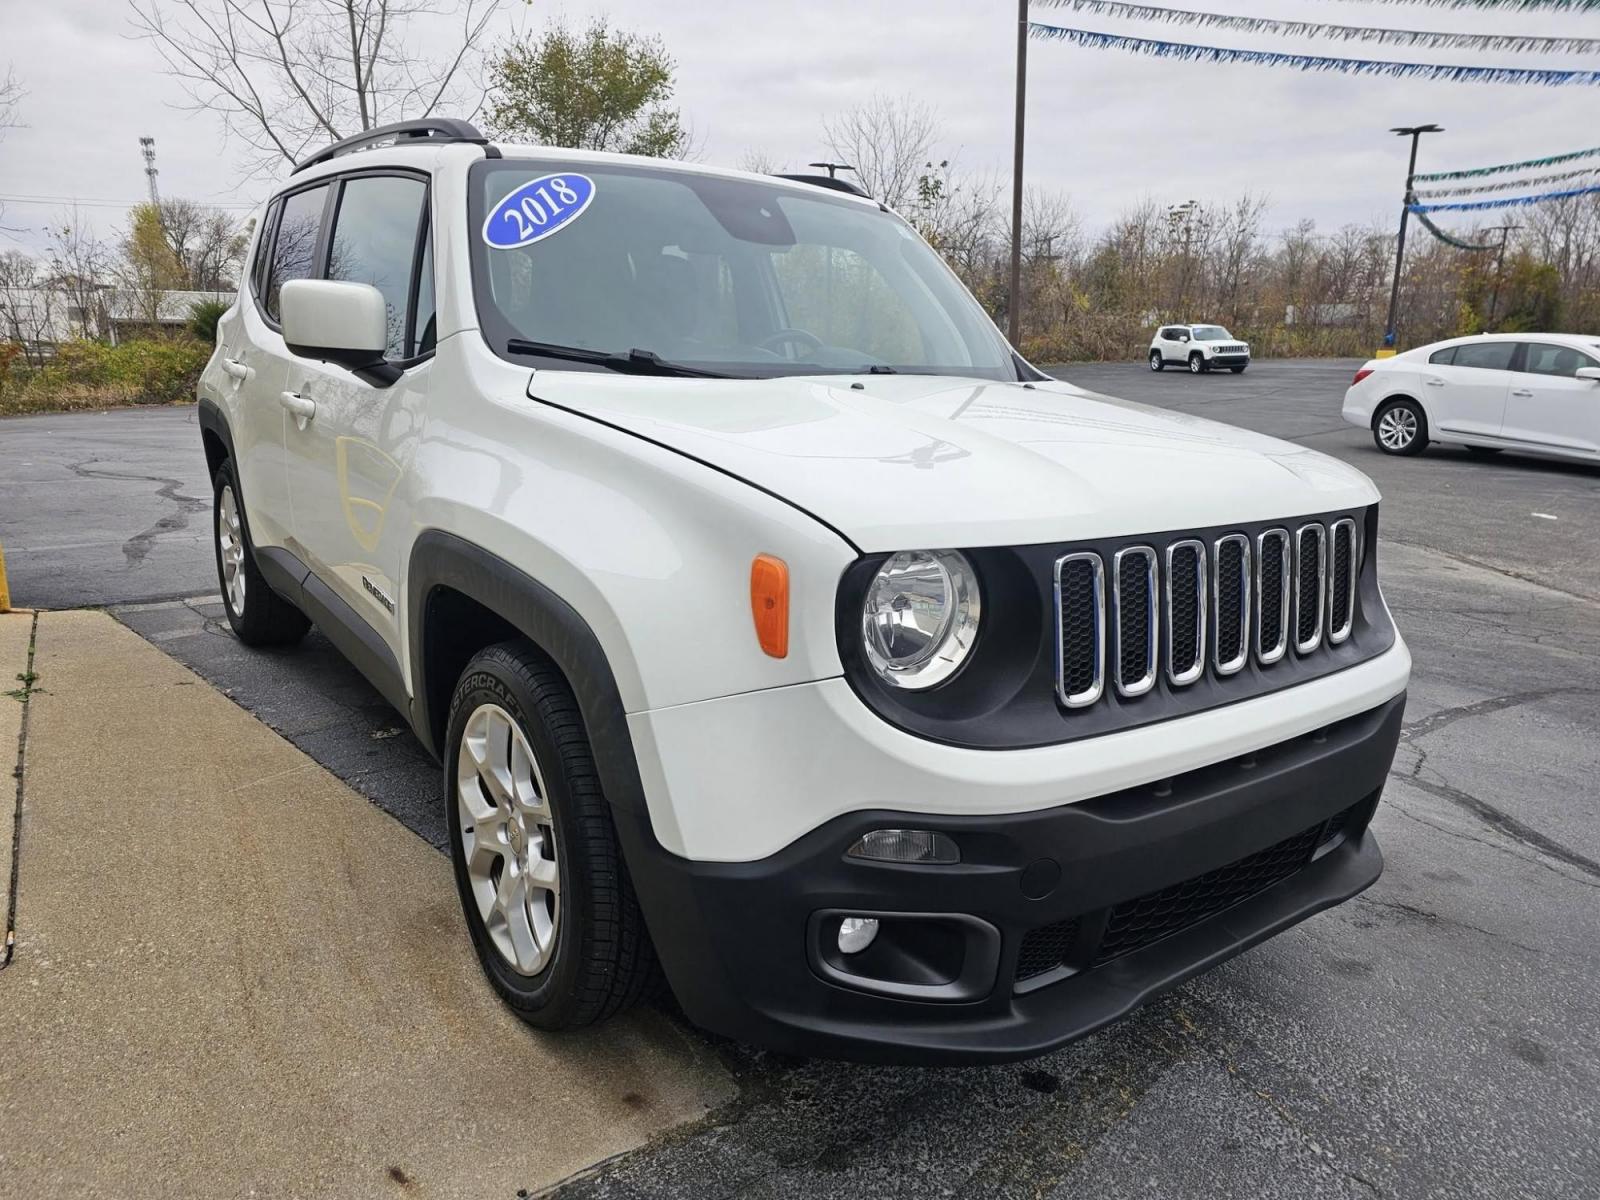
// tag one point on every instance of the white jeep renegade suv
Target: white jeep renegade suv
(774, 622)
(1199, 347)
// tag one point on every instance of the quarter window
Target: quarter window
(294, 249)
(1486, 356)
(1545, 359)
(375, 241)
(258, 268)
(1443, 358)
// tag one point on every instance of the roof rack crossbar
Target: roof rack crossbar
(828, 181)
(442, 130)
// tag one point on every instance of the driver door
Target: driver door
(348, 462)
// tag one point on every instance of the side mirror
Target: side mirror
(344, 323)
(1590, 373)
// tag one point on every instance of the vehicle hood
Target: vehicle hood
(900, 462)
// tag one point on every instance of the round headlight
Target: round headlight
(920, 617)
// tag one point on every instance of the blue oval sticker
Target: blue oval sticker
(537, 209)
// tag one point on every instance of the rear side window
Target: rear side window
(294, 248)
(375, 240)
(1443, 358)
(258, 268)
(1545, 359)
(1486, 356)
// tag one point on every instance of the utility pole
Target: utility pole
(1414, 132)
(1014, 298)
(147, 147)
(1499, 269)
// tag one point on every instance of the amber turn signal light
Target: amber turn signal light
(769, 603)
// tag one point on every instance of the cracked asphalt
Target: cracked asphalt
(1438, 1036)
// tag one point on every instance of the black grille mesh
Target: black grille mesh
(1080, 622)
(1135, 924)
(1230, 601)
(1270, 617)
(1045, 948)
(1138, 923)
(1133, 618)
(1339, 571)
(1186, 648)
(1309, 567)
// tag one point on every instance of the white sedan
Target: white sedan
(1538, 392)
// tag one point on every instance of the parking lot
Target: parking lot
(1437, 1036)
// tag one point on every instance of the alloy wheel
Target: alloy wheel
(508, 839)
(230, 545)
(1397, 428)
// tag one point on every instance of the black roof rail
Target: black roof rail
(439, 130)
(828, 181)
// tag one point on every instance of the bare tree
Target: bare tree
(888, 141)
(78, 265)
(207, 243)
(759, 162)
(27, 308)
(11, 94)
(288, 75)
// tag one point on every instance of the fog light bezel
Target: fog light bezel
(969, 980)
(946, 851)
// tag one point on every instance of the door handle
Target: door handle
(1522, 392)
(303, 407)
(1435, 383)
(235, 369)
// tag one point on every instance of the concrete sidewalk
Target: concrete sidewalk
(235, 976)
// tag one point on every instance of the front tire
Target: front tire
(1197, 364)
(1401, 428)
(547, 899)
(259, 616)
(1156, 361)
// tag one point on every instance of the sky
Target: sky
(1105, 128)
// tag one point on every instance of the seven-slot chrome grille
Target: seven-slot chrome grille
(1176, 608)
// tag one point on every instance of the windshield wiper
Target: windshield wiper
(634, 362)
(882, 369)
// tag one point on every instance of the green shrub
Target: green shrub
(203, 318)
(87, 374)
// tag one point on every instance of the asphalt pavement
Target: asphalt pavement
(1437, 1036)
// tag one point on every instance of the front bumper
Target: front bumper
(1016, 941)
(1228, 360)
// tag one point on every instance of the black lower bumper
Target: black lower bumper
(1053, 924)
(1228, 360)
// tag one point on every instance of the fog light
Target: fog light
(856, 934)
(906, 846)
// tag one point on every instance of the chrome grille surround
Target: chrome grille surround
(1242, 580)
(1344, 597)
(1285, 558)
(1085, 696)
(1124, 615)
(1195, 644)
(1318, 590)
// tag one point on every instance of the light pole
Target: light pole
(1014, 298)
(1499, 270)
(1414, 132)
(832, 168)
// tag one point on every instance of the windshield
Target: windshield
(1211, 333)
(721, 276)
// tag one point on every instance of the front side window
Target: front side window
(727, 276)
(294, 249)
(1486, 356)
(375, 241)
(1545, 359)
